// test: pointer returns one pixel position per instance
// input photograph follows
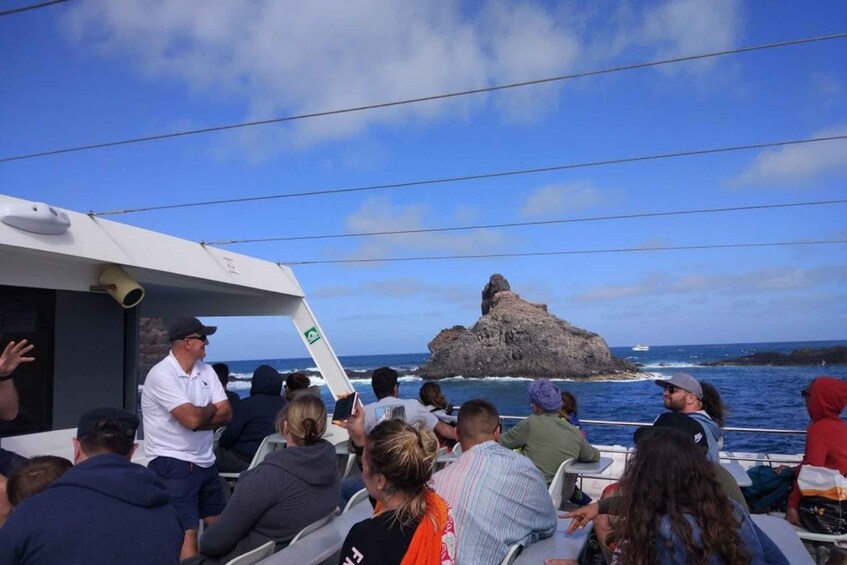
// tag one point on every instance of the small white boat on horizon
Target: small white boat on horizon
(640, 347)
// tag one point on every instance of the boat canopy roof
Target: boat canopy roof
(179, 277)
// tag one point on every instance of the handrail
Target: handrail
(639, 424)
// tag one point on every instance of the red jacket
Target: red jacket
(826, 438)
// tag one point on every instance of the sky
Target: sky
(92, 71)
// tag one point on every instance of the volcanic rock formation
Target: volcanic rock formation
(519, 339)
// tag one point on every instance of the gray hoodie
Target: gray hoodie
(288, 491)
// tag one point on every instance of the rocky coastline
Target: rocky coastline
(798, 357)
(516, 338)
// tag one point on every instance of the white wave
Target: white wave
(238, 385)
(669, 365)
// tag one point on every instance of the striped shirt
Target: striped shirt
(499, 498)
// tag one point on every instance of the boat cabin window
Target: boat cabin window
(27, 313)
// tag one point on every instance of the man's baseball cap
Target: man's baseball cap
(184, 327)
(685, 382)
(678, 421)
(109, 421)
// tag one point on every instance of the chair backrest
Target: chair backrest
(348, 467)
(514, 551)
(356, 499)
(312, 527)
(264, 448)
(558, 483)
(264, 550)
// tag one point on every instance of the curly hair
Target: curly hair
(405, 456)
(669, 476)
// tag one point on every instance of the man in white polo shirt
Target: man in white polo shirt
(182, 403)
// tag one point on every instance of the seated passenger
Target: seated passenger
(222, 370)
(253, 419)
(498, 497)
(35, 476)
(826, 439)
(434, 400)
(286, 492)
(667, 497)
(411, 523)
(544, 437)
(104, 510)
(296, 383)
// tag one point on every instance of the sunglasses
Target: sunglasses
(672, 389)
(197, 337)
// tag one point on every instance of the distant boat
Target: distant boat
(640, 347)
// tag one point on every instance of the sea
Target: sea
(761, 397)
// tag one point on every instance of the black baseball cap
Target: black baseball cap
(184, 327)
(678, 421)
(109, 421)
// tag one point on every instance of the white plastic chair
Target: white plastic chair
(558, 483)
(514, 551)
(264, 448)
(348, 467)
(312, 527)
(264, 550)
(356, 499)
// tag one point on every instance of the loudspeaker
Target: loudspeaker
(121, 286)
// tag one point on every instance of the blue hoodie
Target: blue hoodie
(104, 510)
(254, 417)
(714, 434)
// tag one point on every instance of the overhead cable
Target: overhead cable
(29, 7)
(499, 174)
(525, 224)
(569, 252)
(432, 98)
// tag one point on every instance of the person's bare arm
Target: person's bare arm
(446, 430)
(194, 417)
(221, 418)
(8, 400)
(12, 356)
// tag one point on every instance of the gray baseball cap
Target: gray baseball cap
(685, 382)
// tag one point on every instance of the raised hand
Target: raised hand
(13, 355)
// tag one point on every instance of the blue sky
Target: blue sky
(94, 71)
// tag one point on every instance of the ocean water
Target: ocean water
(757, 397)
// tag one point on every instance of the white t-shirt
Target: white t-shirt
(166, 387)
(415, 412)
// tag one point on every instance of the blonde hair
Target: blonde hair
(405, 456)
(306, 417)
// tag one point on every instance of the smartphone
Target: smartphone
(393, 412)
(345, 407)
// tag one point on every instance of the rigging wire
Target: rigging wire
(11, 11)
(568, 252)
(525, 224)
(499, 174)
(368, 107)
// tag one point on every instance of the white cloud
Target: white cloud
(689, 27)
(287, 57)
(556, 199)
(379, 214)
(755, 283)
(283, 57)
(796, 165)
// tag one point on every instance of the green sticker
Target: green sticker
(312, 335)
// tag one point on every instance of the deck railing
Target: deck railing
(763, 458)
